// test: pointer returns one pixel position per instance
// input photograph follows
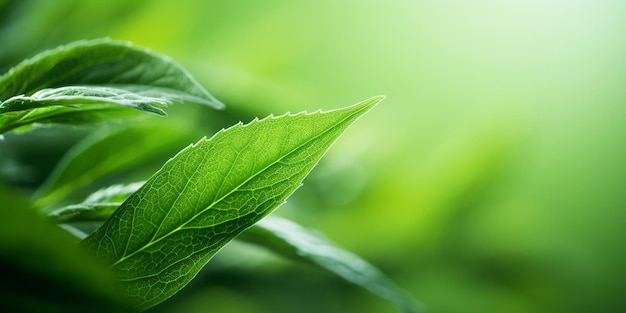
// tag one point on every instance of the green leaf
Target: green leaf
(74, 96)
(97, 207)
(43, 270)
(102, 157)
(296, 242)
(92, 75)
(160, 238)
(69, 115)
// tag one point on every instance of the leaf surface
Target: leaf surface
(206, 195)
(296, 242)
(96, 75)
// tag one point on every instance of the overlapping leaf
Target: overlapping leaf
(97, 207)
(109, 153)
(101, 76)
(210, 192)
(294, 241)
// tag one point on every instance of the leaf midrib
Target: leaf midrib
(178, 228)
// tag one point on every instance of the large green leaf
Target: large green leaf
(210, 192)
(296, 242)
(97, 75)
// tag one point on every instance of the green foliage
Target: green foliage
(491, 180)
(209, 193)
(97, 207)
(155, 237)
(98, 76)
(109, 153)
(296, 242)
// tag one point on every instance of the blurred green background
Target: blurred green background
(491, 179)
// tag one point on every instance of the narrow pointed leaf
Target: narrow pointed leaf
(93, 75)
(160, 237)
(68, 115)
(115, 193)
(296, 242)
(97, 207)
(75, 96)
(84, 212)
(110, 152)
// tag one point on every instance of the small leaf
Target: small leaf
(85, 73)
(160, 238)
(115, 193)
(101, 157)
(84, 212)
(294, 241)
(97, 207)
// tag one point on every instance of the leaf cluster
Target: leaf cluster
(149, 238)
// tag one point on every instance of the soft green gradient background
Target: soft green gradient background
(492, 179)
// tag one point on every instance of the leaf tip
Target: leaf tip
(367, 104)
(217, 104)
(373, 101)
(210, 101)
